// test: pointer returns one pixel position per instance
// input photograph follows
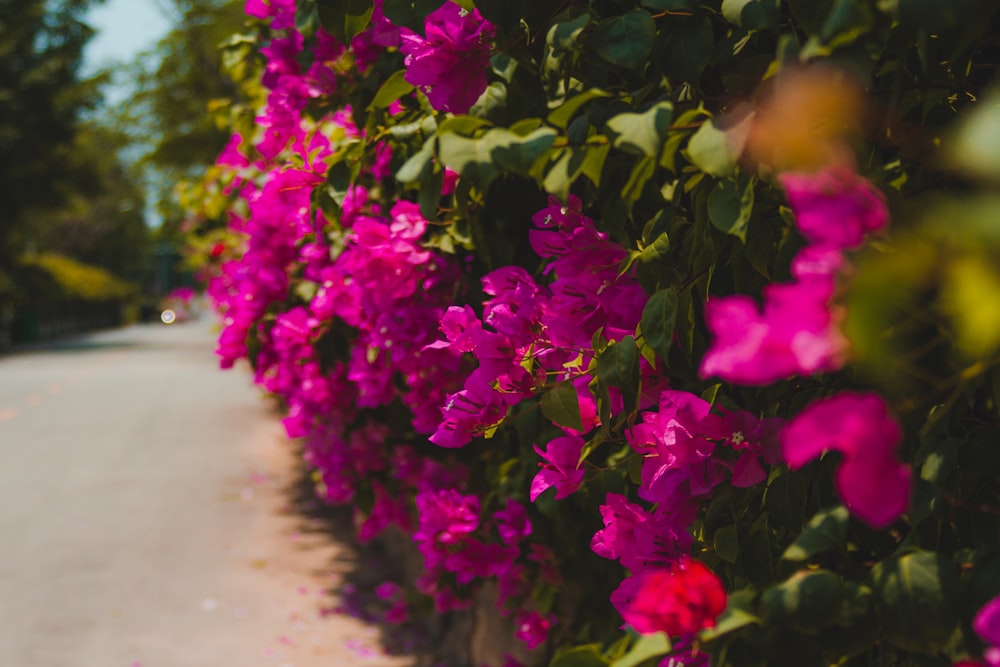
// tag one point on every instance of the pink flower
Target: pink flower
(871, 482)
(449, 65)
(512, 522)
(795, 333)
(677, 444)
(562, 457)
(282, 12)
(532, 628)
(835, 207)
(446, 517)
(638, 539)
(679, 600)
(987, 626)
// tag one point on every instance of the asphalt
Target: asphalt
(145, 517)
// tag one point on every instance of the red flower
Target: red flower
(679, 600)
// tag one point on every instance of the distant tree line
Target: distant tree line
(75, 176)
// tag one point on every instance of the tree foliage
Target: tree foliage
(41, 99)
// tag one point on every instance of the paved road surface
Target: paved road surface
(143, 516)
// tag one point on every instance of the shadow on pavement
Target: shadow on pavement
(364, 569)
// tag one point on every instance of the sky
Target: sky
(124, 29)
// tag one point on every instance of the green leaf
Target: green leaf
(646, 647)
(736, 615)
(465, 125)
(730, 205)
(655, 256)
(685, 46)
(394, 87)
(726, 543)
(561, 405)
(470, 157)
(564, 35)
(642, 171)
(847, 21)
(752, 14)
(917, 596)
(810, 14)
(625, 40)
(409, 13)
(430, 194)
(588, 655)
(570, 163)
(671, 5)
(642, 133)
(809, 600)
(659, 318)
(593, 162)
(516, 153)
(826, 531)
(561, 116)
(717, 145)
(618, 366)
(419, 164)
(345, 19)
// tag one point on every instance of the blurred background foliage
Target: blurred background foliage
(88, 188)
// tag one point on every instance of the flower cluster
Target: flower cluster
(797, 331)
(506, 416)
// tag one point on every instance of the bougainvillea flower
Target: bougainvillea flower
(445, 516)
(871, 482)
(560, 468)
(679, 600)
(756, 440)
(512, 522)
(677, 444)
(532, 628)
(835, 207)
(795, 333)
(987, 626)
(281, 12)
(449, 65)
(638, 538)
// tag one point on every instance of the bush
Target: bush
(598, 300)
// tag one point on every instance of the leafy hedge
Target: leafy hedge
(598, 300)
(57, 277)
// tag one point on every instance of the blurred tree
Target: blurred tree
(42, 98)
(103, 225)
(177, 85)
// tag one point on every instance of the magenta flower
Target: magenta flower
(987, 626)
(871, 482)
(512, 522)
(835, 207)
(562, 457)
(755, 439)
(795, 333)
(281, 12)
(446, 517)
(677, 444)
(380, 35)
(679, 600)
(449, 65)
(637, 538)
(532, 628)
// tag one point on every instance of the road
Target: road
(144, 515)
